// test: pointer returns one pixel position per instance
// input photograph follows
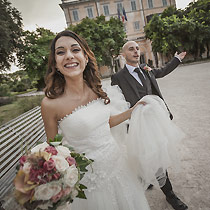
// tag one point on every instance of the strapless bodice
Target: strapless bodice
(87, 129)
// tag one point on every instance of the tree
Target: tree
(200, 13)
(4, 86)
(33, 55)
(163, 34)
(105, 38)
(20, 81)
(16, 82)
(174, 30)
(10, 33)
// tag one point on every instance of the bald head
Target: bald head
(131, 53)
(127, 44)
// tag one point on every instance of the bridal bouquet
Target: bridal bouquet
(49, 176)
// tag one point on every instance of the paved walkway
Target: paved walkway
(187, 93)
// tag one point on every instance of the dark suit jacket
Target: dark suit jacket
(126, 82)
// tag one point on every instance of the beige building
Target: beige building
(138, 13)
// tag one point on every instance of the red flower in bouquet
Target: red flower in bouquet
(71, 161)
(49, 165)
(49, 176)
(51, 150)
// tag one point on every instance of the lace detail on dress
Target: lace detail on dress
(111, 161)
(78, 108)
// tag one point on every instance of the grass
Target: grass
(8, 112)
(18, 107)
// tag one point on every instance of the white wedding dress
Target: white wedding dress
(111, 184)
(146, 151)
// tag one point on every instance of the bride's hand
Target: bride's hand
(137, 103)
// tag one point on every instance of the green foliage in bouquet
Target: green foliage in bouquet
(58, 138)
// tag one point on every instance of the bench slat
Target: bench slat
(19, 133)
(16, 156)
(18, 127)
(15, 120)
(19, 136)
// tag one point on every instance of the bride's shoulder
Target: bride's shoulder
(50, 104)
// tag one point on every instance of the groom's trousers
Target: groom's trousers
(167, 187)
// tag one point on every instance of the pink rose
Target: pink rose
(71, 161)
(66, 191)
(56, 176)
(57, 197)
(51, 150)
(22, 160)
(49, 165)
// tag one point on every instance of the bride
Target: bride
(76, 102)
(76, 105)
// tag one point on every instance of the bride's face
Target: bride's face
(69, 56)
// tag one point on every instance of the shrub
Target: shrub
(7, 100)
(4, 90)
(27, 103)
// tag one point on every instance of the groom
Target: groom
(137, 81)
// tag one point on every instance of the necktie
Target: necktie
(141, 77)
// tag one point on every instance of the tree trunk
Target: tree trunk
(156, 59)
(207, 47)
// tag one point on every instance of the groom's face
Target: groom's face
(131, 53)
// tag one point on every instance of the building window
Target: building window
(136, 26)
(164, 2)
(149, 17)
(90, 12)
(75, 15)
(133, 5)
(106, 10)
(119, 7)
(150, 3)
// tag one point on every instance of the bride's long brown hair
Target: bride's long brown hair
(55, 81)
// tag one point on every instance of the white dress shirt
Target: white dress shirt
(176, 56)
(133, 73)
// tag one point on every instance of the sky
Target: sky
(48, 14)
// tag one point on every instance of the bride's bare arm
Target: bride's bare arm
(119, 118)
(50, 119)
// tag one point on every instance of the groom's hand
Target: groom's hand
(180, 55)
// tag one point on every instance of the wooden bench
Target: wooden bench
(16, 137)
